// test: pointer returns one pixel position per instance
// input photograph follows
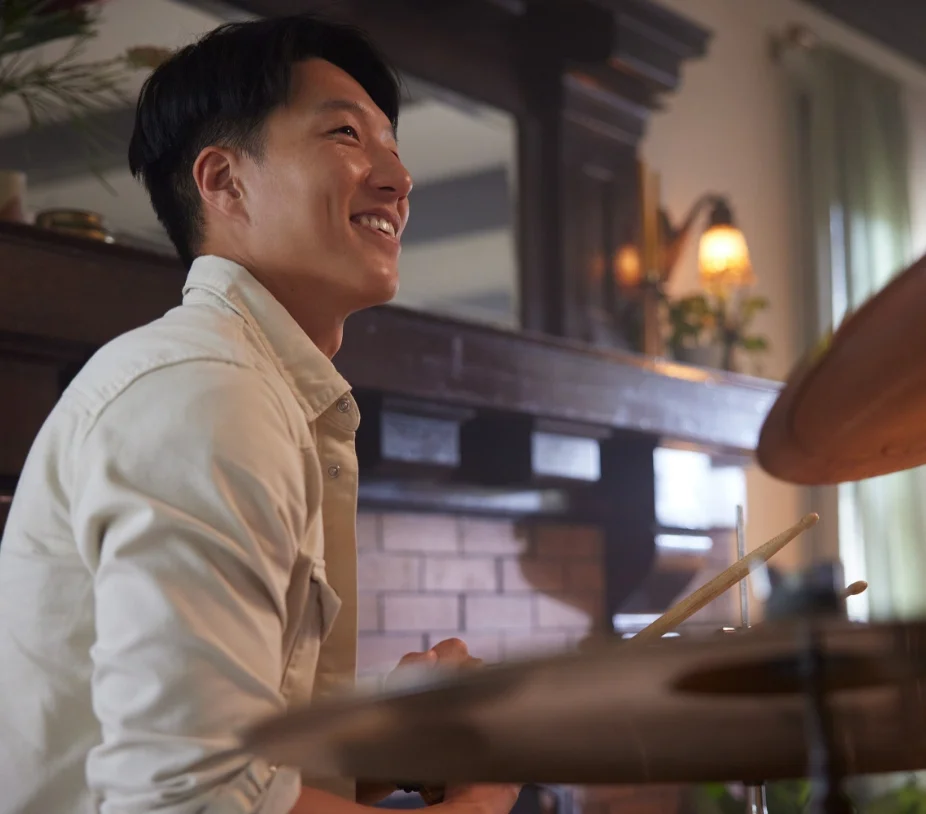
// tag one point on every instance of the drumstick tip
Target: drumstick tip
(856, 588)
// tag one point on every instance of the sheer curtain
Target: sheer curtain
(854, 179)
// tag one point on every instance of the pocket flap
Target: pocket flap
(329, 601)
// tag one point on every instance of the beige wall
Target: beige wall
(727, 131)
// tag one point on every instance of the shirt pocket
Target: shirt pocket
(312, 607)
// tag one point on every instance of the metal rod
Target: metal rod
(756, 802)
(741, 554)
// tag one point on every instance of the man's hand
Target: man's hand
(449, 653)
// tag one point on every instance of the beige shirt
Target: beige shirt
(181, 541)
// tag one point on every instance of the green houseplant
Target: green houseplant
(706, 328)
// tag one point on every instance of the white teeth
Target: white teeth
(376, 222)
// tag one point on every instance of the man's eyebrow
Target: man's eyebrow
(350, 105)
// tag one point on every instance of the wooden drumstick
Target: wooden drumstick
(708, 592)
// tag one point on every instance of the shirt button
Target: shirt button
(344, 406)
(334, 470)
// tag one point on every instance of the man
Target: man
(179, 559)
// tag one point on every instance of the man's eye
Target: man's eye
(347, 130)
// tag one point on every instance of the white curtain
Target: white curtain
(853, 141)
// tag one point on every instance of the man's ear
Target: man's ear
(220, 187)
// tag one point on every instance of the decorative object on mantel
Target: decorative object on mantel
(12, 196)
(62, 87)
(714, 323)
(702, 329)
(76, 222)
(705, 329)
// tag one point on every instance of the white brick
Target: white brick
(420, 532)
(497, 613)
(460, 574)
(380, 571)
(421, 613)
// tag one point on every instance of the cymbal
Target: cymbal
(855, 407)
(720, 708)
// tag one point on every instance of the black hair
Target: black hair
(220, 91)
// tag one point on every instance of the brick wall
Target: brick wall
(505, 590)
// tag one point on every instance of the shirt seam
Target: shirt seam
(95, 413)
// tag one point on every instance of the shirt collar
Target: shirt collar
(313, 377)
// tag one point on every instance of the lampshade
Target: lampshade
(723, 255)
(627, 266)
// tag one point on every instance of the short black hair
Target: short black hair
(220, 91)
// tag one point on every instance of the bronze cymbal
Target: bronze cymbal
(680, 710)
(855, 407)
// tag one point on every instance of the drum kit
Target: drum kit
(804, 693)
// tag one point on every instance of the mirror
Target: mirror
(459, 251)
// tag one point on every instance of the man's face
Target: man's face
(328, 200)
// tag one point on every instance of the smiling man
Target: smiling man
(180, 556)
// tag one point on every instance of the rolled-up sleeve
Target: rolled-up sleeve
(189, 501)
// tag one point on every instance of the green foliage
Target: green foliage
(793, 797)
(66, 87)
(691, 320)
(702, 319)
(907, 799)
(783, 798)
(26, 24)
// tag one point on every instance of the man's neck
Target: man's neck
(322, 322)
(326, 332)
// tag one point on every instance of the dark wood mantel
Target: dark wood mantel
(60, 293)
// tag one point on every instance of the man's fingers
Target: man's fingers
(428, 657)
(451, 652)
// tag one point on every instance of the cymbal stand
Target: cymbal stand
(815, 594)
(756, 799)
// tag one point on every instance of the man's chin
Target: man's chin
(379, 287)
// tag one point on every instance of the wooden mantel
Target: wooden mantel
(61, 292)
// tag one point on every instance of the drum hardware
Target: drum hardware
(814, 594)
(756, 797)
